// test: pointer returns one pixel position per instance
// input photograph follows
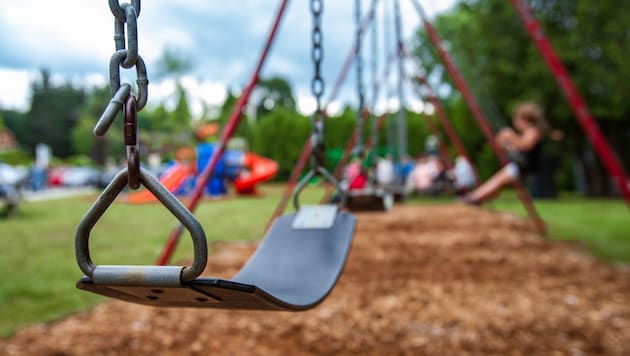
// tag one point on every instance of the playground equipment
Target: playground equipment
(244, 169)
(300, 258)
(303, 253)
(478, 114)
(306, 150)
(367, 196)
(578, 105)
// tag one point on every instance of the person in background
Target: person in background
(385, 171)
(523, 145)
(462, 175)
(426, 176)
(354, 177)
(404, 168)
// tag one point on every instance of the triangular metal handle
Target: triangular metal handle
(107, 197)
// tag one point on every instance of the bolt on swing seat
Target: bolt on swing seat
(295, 267)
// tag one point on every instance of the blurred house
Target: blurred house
(7, 140)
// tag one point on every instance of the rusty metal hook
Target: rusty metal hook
(131, 142)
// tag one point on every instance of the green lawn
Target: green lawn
(603, 225)
(39, 269)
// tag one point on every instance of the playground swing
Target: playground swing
(371, 197)
(298, 261)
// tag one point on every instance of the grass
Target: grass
(602, 224)
(39, 271)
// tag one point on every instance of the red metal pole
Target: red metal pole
(573, 97)
(474, 107)
(446, 156)
(228, 132)
(440, 112)
(306, 151)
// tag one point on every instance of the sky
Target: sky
(223, 39)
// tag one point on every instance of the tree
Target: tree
(503, 67)
(275, 92)
(14, 121)
(173, 63)
(280, 135)
(54, 111)
(84, 142)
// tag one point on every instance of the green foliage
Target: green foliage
(227, 108)
(276, 91)
(79, 160)
(280, 135)
(83, 140)
(503, 67)
(180, 118)
(54, 112)
(16, 157)
(14, 121)
(173, 63)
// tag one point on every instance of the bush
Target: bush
(16, 157)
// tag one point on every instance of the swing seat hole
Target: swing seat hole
(152, 297)
(157, 291)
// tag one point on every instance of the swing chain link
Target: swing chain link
(134, 176)
(375, 85)
(358, 149)
(317, 87)
(318, 151)
(122, 100)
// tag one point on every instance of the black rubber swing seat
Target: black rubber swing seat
(369, 199)
(293, 269)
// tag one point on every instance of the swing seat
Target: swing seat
(369, 199)
(294, 268)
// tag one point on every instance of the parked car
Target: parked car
(74, 177)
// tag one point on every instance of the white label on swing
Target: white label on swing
(315, 217)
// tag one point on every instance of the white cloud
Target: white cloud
(14, 88)
(305, 104)
(224, 39)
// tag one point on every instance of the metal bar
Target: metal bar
(474, 107)
(228, 131)
(578, 105)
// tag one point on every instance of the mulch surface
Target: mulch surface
(420, 280)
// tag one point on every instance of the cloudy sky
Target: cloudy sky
(223, 38)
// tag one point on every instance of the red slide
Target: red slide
(257, 169)
(172, 179)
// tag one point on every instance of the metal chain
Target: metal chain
(374, 44)
(122, 100)
(126, 56)
(402, 114)
(318, 152)
(387, 39)
(358, 148)
(317, 86)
